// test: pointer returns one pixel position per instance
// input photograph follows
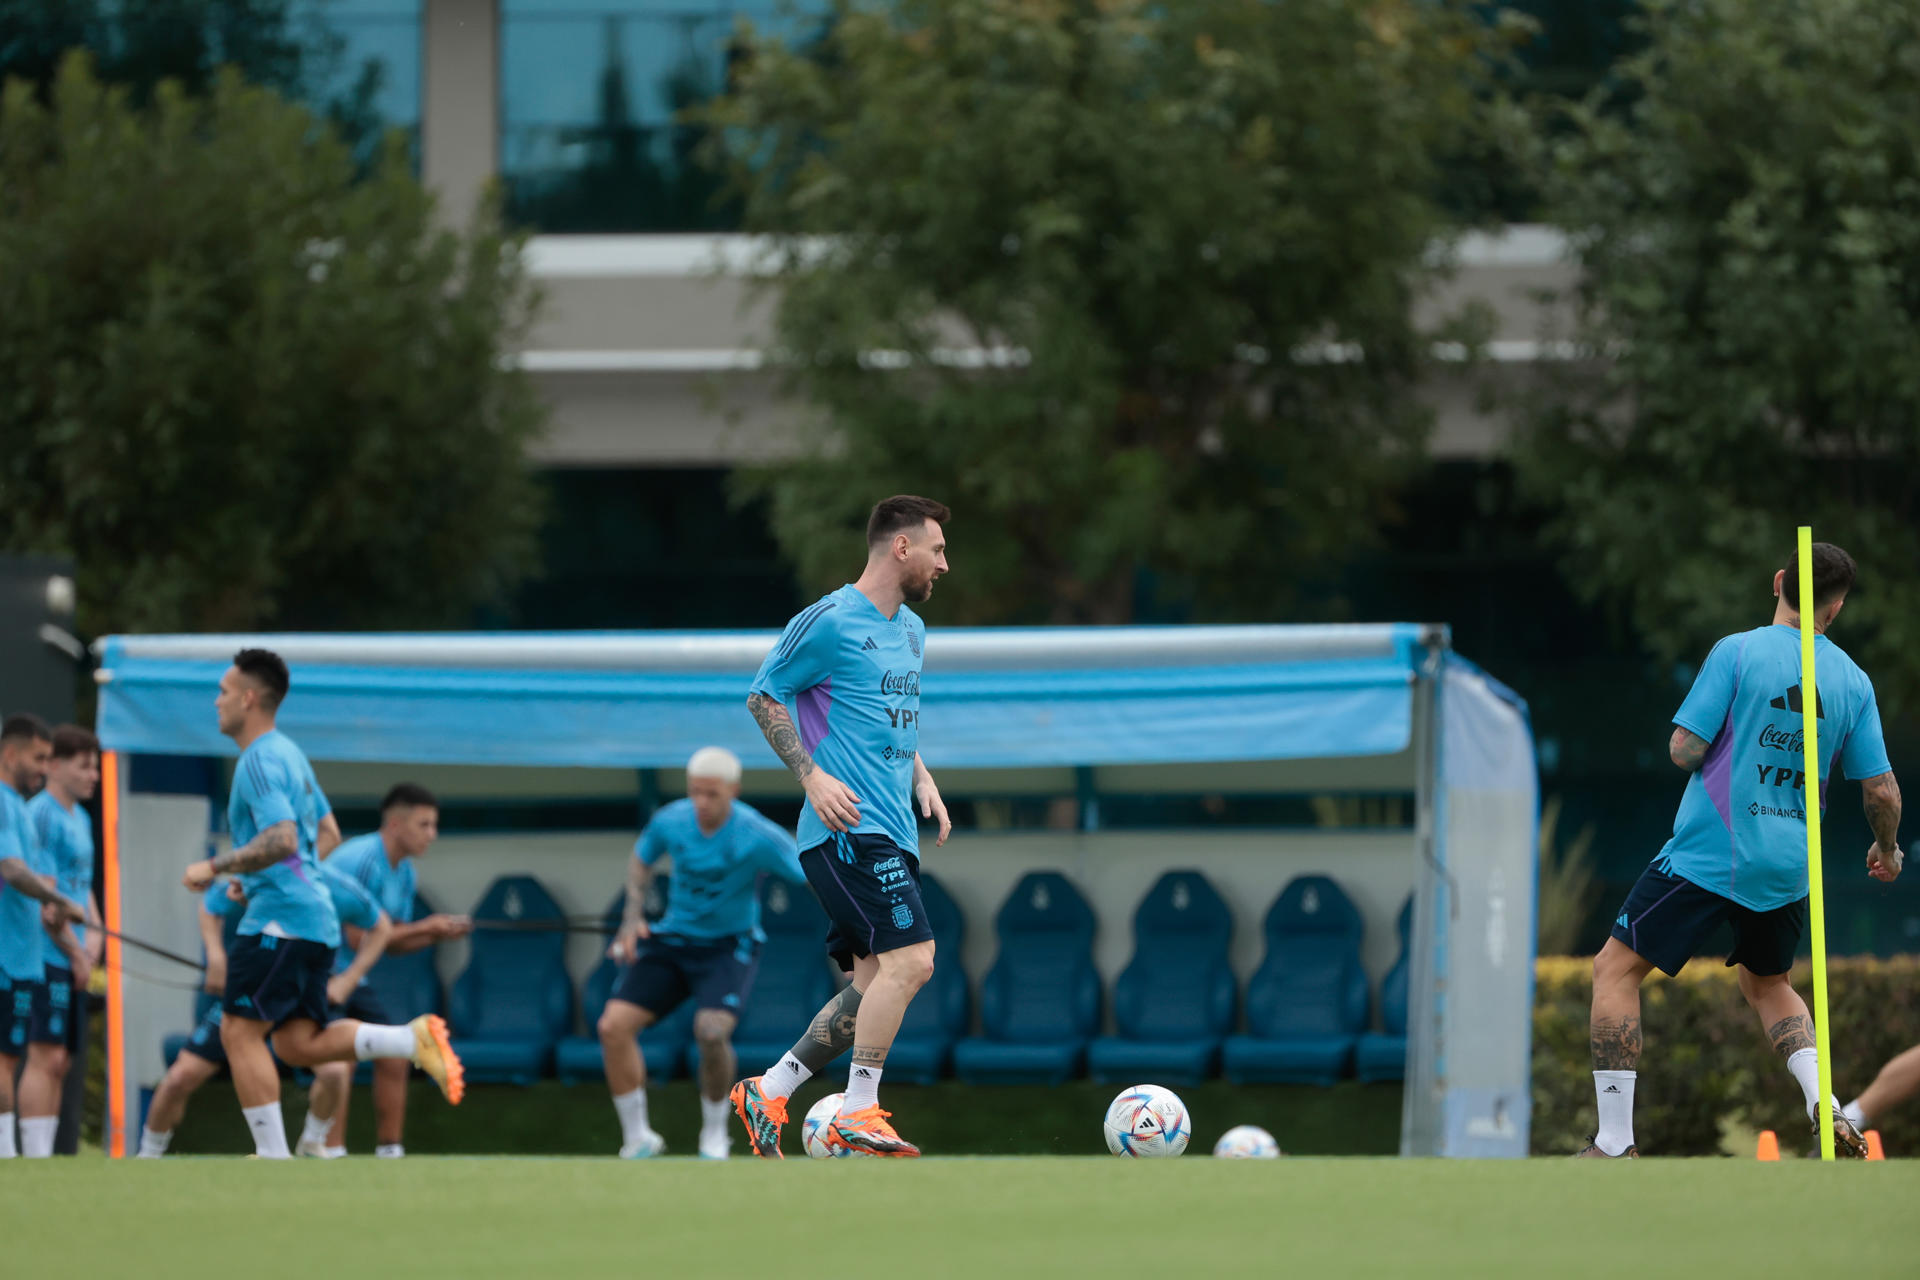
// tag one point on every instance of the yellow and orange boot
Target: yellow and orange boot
(763, 1117)
(866, 1132)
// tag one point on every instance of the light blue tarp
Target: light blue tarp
(990, 698)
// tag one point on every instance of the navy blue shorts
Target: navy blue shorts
(870, 888)
(1666, 918)
(275, 980)
(53, 1002)
(16, 1017)
(670, 968)
(205, 1040)
(363, 1004)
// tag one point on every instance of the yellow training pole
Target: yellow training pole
(1816, 896)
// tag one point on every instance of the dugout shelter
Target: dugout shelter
(1375, 706)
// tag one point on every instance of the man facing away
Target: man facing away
(1739, 850)
(705, 948)
(30, 904)
(382, 862)
(64, 831)
(278, 967)
(848, 666)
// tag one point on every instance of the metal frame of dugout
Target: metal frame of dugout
(998, 698)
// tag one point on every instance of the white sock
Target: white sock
(1613, 1091)
(713, 1115)
(784, 1076)
(382, 1042)
(154, 1145)
(36, 1136)
(333, 1153)
(632, 1110)
(386, 1151)
(863, 1090)
(316, 1130)
(1805, 1065)
(7, 1151)
(269, 1131)
(1853, 1112)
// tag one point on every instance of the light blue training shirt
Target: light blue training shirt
(273, 783)
(66, 854)
(716, 878)
(850, 677)
(1741, 829)
(21, 951)
(363, 860)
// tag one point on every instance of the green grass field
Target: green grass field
(985, 1218)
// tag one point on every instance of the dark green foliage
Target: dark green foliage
(242, 388)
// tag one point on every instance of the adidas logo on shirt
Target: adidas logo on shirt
(1792, 701)
(868, 645)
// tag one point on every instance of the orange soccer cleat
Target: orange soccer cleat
(866, 1131)
(433, 1053)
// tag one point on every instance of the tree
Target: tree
(1748, 235)
(1129, 285)
(242, 388)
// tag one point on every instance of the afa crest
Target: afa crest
(902, 916)
(913, 641)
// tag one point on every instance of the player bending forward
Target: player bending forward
(278, 968)
(849, 667)
(1738, 851)
(706, 948)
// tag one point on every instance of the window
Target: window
(591, 93)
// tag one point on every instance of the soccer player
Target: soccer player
(706, 947)
(382, 862)
(278, 966)
(1897, 1081)
(64, 832)
(839, 702)
(1738, 851)
(221, 909)
(25, 745)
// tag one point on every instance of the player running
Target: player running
(1738, 851)
(278, 966)
(706, 947)
(64, 832)
(383, 863)
(221, 909)
(849, 667)
(25, 745)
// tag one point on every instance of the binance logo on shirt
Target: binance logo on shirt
(1792, 701)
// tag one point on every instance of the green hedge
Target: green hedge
(948, 1118)
(1708, 1078)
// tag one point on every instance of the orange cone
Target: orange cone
(1874, 1150)
(1769, 1146)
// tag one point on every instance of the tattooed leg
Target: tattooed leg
(831, 1033)
(1614, 1027)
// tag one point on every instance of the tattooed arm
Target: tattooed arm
(777, 725)
(1881, 797)
(281, 840)
(1687, 749)
(831, 798)
(21, 878)
(633, 918)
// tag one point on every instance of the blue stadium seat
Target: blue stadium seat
(1040, 1003)
(663, 1045)
(1307, 1002)
(938, 1015)
(1382, 1055)
(1173, 1003)
(514, 1001)
(794, 980)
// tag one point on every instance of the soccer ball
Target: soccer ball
(1147, 1120)
(814, 1129)
(1246, 1142)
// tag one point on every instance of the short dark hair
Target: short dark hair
(24, 726)
(70, 740)
(268, 670)
(1832, 576)
(407, 795)
(901, 513)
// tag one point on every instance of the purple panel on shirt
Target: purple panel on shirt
(1716, 772)
(813, 706)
